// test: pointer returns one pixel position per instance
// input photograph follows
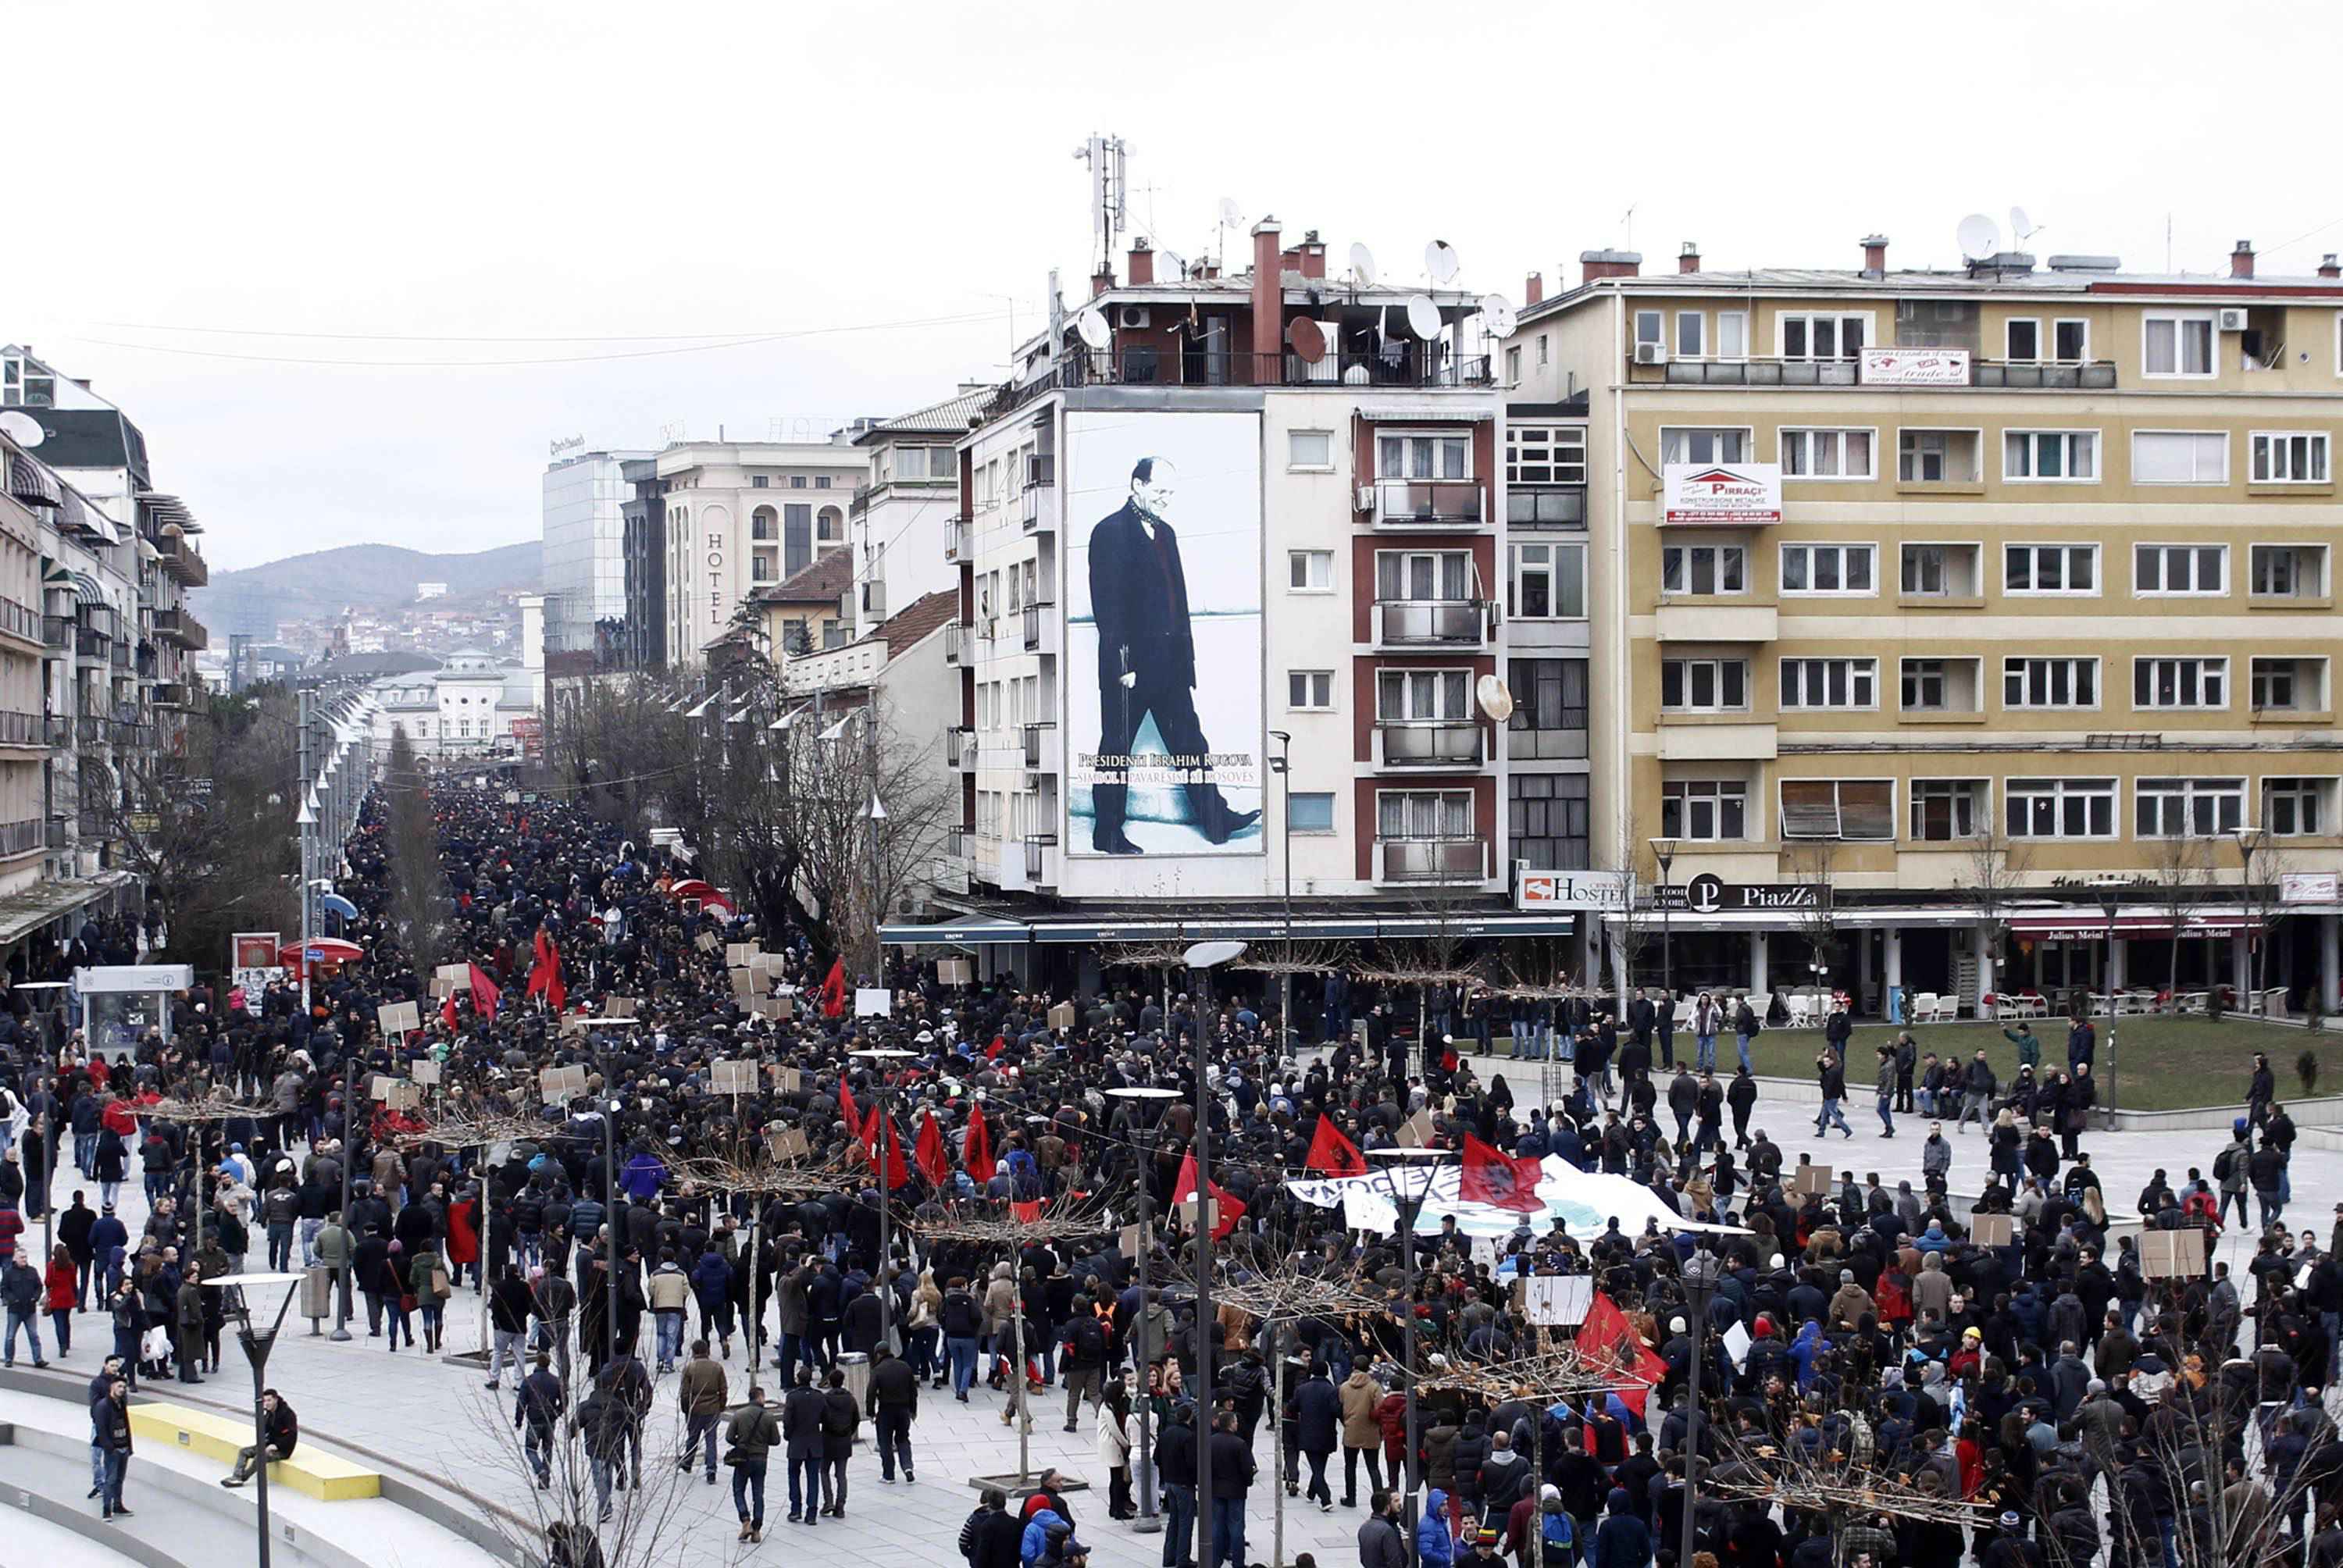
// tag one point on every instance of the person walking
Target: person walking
(1362, 1433)
(802, 1422)
(1082, 1348)
(894, 1405)
(670, 1298)
(1233, 1471)
(1175, 1463)
(1318, 1408)
(841, 1419)
(280, 1432)
(187, 1310)
(1887, 1091)
(61, 1297)
(700, 1394)
(1978, 1086)
(110, 1424)
(749, 1442)
(537, 1410)
(508, 1305)
(1831, 1072)
(20, 1291)
(427, 1281)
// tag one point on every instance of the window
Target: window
(1423, 695)
(1649, 328)
(2288, 572)
(2180, 683)
(1423, 813)
(2295, 808)
(2189, 807)
(1704, 685)
(1827, 455)
(2289, 458)
(759, 481)
(1925, 686)
(1828, 569)
(1514, 366)
(763, 527)
(1733, 335)
(1944, 809)
(831, 525)
(2022, 339)
(1704, 568)
(1808, 336)
(1310, 812)
(1310, 571)
(2062, 808)
(797, 481)
(1401, 456)
(1549, 718)
(1545, 455)
(2289, 685)
(1310, 451)
(1541, 348)
(1705, 809)
(1830, 683)
(2177, 345)
(1938, 570)
(24, 383)
(1936, 456)
(1310, 691)
(2071, 455)
(2179, 569)
(2070, 340)
(1858, 809)
(1682, 445)
(2050, 683)
(1548, 816)
(797, 538)
(1548, 582)
(1425, 575)
(1692, 335)
(2179, 457)
(2050, 568)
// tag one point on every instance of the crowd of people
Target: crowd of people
(1996, 1351)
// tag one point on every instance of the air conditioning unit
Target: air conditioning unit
(1366, 497)
(2231, 319)
(1130, 315)
(1651, 354)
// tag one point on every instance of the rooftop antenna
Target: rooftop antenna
(2019, 226)
(1627, 220)
(1108, 191)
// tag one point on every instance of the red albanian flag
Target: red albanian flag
(866, 1134)
(1608, 1340)
(1332, 1153)
(833, 989)
(1231, 1207)
(484, 994)
(977, 1152)
(934, 1164)
(1500, 1181)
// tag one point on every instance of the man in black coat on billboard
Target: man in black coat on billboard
(1147, 662)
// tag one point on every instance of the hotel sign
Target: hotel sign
(1915, 368)
(1572, 889)
(1721, 494)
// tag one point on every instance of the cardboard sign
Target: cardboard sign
(738, 954)
(441, 986)
(2172, 1254)
(1558, 1301)
(788, 1144)
(1131, 1241)
(771, 1006)
(561, 1082)
(955, 971)
(1737, 1341)
(732, 1077)
(1063, 1016)
(378, 1087)
(462, 972)
(765, 965)
(428, 1073)
(793, 1081)
(1415, 1133)
(1991, 1230)
(873, 1002)
(574, 1023)
(619, 1007)
(398, 1017)
(1187, 1213)
(744, 985)
(404, 1096)
(1811, 1181)
(708, 942)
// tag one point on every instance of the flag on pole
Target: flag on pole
(484, 992)
(934, 1164)
(1332, 1153)
(1608, 1342)
(1230, 1207)
(833, 989)
(1500, 1181)
(866, 1136)
(448, 1012)
(977, 1152)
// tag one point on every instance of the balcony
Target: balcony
(172, 694)
(179, 558)
(1462, 626)
(959, 749)
(1720, 619)
(1038, 508)
(874, 598)
(21, 622)
(1545, 505)
(956, 641)
(1042, 860)
(956, 547)
(1426, 503)
(1407, 861)
(1416, 745)
(57, 729)
(89, 642)
(56, 835)
(57, 633)
(959, 843)
(1991, 374)
(1043, 752)
(90, 731)
(28, 837)
(183, 629)
(119, 656)
(1717, 737)
(1397, 362)
(26, 729)
(1041, 628)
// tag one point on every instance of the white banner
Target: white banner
(1915, 368)
(1721, 494)
(2307, 887)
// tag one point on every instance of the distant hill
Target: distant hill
(366, 577)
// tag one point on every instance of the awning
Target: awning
(85, 589)
(2076, 926)
(1360, 926)
(24, 913)
(967, 930)
(32, 484)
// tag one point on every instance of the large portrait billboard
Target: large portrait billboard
(1163, 634)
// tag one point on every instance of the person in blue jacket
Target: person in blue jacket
(1434, 1547)
(1622, 1540)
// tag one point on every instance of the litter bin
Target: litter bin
(318, 1292)
(857, 1367)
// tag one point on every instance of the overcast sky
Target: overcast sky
(194, 186)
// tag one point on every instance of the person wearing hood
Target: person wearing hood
(1033, 1546)
(1807, 1350)
(1622, 1539)
(1435, 1546)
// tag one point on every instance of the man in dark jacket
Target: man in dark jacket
(841, 1418)
(1081, 1348)
(1232, 1475)
(1380, 1543)
(1318, 1422)
(993, 1534)
(536, 1407)
(894, 1403)
(281, 1430)
(801, 1424)
(1175, 1464)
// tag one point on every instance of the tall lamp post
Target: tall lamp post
(257, 1346)
(1408, 1175)
(879, 1056)
(1663, 850)
(1283, 766)
(2250, 844)
(1204, 958)
(1149, 1522)
(2110, 901)
(1700, 1276)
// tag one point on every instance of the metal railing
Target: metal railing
(2092, 375)
(1395, 363)
(1431, 623)
(1432, 859)
(1444, 743)
(58, 632)
(89, 730)
(120, 653)
(1437, 503)
(956, 640)
(1546, 506)
(22, 838)
(182, 628)
(57, 728)
(89, 642)
(1040, 470)
(1034, 623)
(21, 620)
(955, 538)
(23, 729)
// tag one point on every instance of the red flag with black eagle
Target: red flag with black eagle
(1607, 1341)
(1500, 1181)
(977, 1153)
(1332, 1153)
(484, 994)
(833, 989)
(934, 1164)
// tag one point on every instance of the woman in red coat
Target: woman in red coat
(463, 1237)
(60, 1286)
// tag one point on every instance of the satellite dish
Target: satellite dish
(1496, 701)
(1497, 315)
(1423, 317)
(1440, 261)
(1212, 955)
(1362, 265)
(2018, 226)
(1173, 259)
(1230, 217)
(1307, 340)
(1978, 237)
(1091, 327)
(22, 429)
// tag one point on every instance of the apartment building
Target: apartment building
(1228, 569)
(899, 514)
(743, 516)
(1945, 622)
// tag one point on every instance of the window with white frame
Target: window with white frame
(2050, 568)
(2297, 808)
(1705, 569)
(1861, 810)
(1946, 810)
(2021, 338)
(2289, 458)
(1706, 810)
(2045, 455)
(1733, 335)
(1310, 451)
(1423, 813)
(1425, 575)
(1409, 456)
(1692, 335)
(1813, 568)
(1545, 454)
(2286, 684)
(2202, 570)
(1423, 695)
(1823, 335)
(1310, 691)
(2060, 807)
(1705, 685)
(2179, 457)
(1830, 683)
(1542, 348)
(1685, 444)
(1938, 685)
(2191, 682)
(1548, 582)
(2288, 572)
(1310, 571)
(1938, 457)
(2070, 340)
(1651, 328)
(2187, 808)
(2049, 683)
(1933, 570)
(1514, 366)
(1813, 454)
(2177, 343)
(1309, 812)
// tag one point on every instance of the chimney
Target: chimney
(1534, 289)
(1314, 255)
(1268, 294)
(1101, 280)
(1688, 258)
(1874, 255)
(1289, 260)
(1142, 262)
(2241, 260)
(2326, 266)
(1602, 264)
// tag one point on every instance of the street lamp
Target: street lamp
(2250, 842)
(1408, 1175)
(2110, 901)
(1700, 1274)
(1204, 958)
(878, 1056)
(257, 1346)
(1149, 1522)
(1281, 765)
(1665, 851)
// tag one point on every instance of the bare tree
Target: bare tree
(2180, 868)
(418, 884)
(1997, 867)
(1631, 924)
(1818, 921)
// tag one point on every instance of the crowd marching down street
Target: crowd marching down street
(1800, 1369)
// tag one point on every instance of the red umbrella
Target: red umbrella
(322, 949)
(692, 888)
